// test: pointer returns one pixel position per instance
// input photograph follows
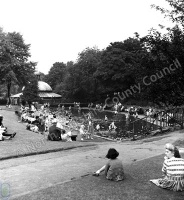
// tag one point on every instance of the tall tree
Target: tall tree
(164, 49)
(56, 74)
(30, 92)
(87, 64)
(79, 83)
(14, 65)
(65, 86)
(164, 82)
(175, 13)
(119, 62)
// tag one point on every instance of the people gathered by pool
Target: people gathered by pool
(40, 120)
(57, 125)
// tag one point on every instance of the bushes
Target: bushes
(3, 101)
(140, 111)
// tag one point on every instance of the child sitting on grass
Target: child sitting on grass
(114, 168)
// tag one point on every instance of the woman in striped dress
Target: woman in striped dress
(173, 170)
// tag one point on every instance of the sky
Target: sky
(58, 30)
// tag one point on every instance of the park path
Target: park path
(29, 174)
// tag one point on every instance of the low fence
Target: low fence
(161, 120)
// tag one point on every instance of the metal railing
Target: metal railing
(159, 121)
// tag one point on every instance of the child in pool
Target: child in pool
(82, 132)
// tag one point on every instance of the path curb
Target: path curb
(45, 152)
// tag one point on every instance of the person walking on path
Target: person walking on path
(173, 170)
(114, 168)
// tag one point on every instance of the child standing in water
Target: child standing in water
(90, 130)
(114, 168)
(98, 127)
(82, 132)
(106, 119)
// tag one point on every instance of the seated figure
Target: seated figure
(54, 133)
(173, 170)
(3, 131)
(66, 136)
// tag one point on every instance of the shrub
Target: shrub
(3, 101)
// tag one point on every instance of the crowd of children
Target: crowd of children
(40, 120)
(56, 123)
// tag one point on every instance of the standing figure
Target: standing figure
(106, 119)
(82, 132)
(98, 127)
(112, 126)
(79, 109)
(90, 130)
(63, 108)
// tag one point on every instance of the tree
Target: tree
(167, 89)
(30, 92)
(14, 65)
(79, 83)
(65, 88)
(163, 51)
(86, 82)
(119, 63)
(56, 74)
(176, 13)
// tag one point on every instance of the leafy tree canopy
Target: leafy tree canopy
(56, 74)
(176, 13)
(14, 65)
(119, 61)
(30, 92)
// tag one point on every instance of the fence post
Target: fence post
(182, 118)
(133, 131)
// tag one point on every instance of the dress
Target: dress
(81, 130)
(114, 170)
(91, 129)
(173, 170)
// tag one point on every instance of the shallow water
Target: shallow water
(124, 128)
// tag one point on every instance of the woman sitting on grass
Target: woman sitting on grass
(3, 131)
(173, 170)
(114, 168)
